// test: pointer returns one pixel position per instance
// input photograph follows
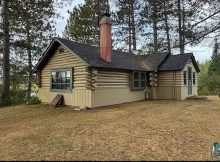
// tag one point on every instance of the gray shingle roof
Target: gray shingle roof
(120, 60)
(90, 54)
(177, 62)
(151, 62)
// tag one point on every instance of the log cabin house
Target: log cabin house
(95, 76)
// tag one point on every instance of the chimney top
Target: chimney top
(105, 37)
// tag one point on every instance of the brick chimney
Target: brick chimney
(105, 38)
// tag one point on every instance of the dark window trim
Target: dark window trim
(185, 77)
(71, 80)
(139, 80)
(194, 78)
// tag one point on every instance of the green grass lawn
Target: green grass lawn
(146, 130)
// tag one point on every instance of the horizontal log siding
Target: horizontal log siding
(113, 87)
(81, 93)
(66, 59)
(166, 79)
(111, 79)
(168, 86)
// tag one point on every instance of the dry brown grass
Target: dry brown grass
(151, 130)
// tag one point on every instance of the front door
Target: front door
(189, 80)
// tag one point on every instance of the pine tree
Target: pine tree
(32, 28)
(166, 12)
(215, 59)
(6, 54)
(153, 20)
(83, 23)
(127, 20)
(214, 70)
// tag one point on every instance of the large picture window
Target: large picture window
(138, 80)
(61, 80)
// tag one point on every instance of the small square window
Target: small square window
(138, 80)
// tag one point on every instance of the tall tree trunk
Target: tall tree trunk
(184, 27)
(29, 61)
(133, 26)
(155, 27)
(129, 28)
(167, 27)
(6, 55)
(181, 46)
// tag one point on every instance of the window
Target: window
(138, 80)
(184, 77)
(194, 78)
(61, 80)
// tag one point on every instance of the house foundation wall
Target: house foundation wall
(78, 97)
(112, 96)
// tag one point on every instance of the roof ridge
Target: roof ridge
(76, 42)
(90, 45)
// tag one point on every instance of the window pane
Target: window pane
(136, 84)
(58, 80)
(63, 86)
(53, 79)
(142, 83)
(143, 76)
(62, 74)
(136, 75)
(67, 80)
(53, 74)
(68, 74)
(63, 80)
(53, 86)
(68, 86)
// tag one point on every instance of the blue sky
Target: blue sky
(202, 51)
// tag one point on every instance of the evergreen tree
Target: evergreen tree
(83, 23)
(32, 29)
(215, 60)
(214, 70)
(127, 21)
(203, 79)
(6, 54)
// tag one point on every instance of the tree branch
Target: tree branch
(202, 36)
(205, 19)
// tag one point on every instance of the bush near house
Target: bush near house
(33, 100)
